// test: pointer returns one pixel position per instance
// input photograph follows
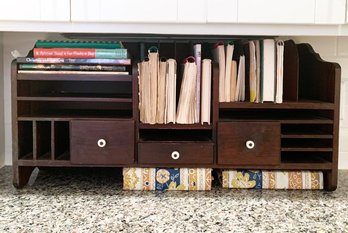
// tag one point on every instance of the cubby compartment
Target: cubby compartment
(121, 91)
(178, 49)
(301, 144)
(307, 157)
(61, 140)
(43, 140)
(174, 135)
(25, 140)
(307, 131)
(282, 114)
(70, 109)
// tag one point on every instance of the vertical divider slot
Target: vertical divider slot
(53, 145)
(34, 132)
(61, 140)
(25, 140)
(42, 145)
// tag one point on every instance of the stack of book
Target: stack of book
(69, 57)
(251, 70)
(158, 85)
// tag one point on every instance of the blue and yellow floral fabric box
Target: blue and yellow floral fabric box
(167, 179)
(259, 179)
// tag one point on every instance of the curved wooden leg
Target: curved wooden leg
(330, 180)
(21, 175)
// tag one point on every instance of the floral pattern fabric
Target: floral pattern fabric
(167, 179)
(261, 179)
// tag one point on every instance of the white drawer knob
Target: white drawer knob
(101, 143)
(175, 155)
(250, 144)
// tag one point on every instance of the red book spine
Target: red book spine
(64, 53)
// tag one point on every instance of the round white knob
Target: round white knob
(250, 144)
(101, 143)
(175, 155)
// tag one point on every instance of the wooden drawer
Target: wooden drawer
(249, 143)
(102, 142)
(175, 153)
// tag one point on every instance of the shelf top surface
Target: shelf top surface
(301, 104)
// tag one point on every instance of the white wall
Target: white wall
(330, 48)
(2, 130)
(335, 49)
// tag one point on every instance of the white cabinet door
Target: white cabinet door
(35, 10)
(330, 11)
(124, 11)
(276, 11)
(192, 11)
(222, 11)
(55, 10)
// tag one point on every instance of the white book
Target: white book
(140, 94)
(144, 91)
(219, 57)
(170, 108)
(161, 91)
(197, 52)
(240, 87)
(229, 56)
(269, 69)
(233, 81)
(280, 69)
(242, 71)
(154, 63)
(186, 103)
(206, 91)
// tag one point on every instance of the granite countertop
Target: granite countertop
(92, 200)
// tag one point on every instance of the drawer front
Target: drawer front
(249, 143)
(175, 153)
(102, 142)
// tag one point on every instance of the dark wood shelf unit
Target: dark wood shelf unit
(63, 120)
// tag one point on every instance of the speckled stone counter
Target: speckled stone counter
(92, 200)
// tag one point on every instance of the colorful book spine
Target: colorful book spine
(70, 67)
(79, 53)
(116, 61)
(259, 179)
(161, 179)
(78, 44)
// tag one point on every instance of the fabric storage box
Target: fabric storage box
(167, 179)
(260, 179)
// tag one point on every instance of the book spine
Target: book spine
(70, 67)
(29, 60)
(197, 52)
(79, 53)
(78, 44)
